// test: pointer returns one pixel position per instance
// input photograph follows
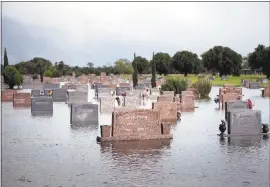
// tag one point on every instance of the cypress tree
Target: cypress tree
(5, 65)
(135, 73)
(153, 80)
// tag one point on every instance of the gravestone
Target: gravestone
(229, 97)
(41, 106)
(121, 90)
(195, 92)
(168, 111)
(155, 91)
(211, 78)
(266, 92)
(244, 122)
(140, 87)
(265, 81)
(59, 95)
(162, 98)
(48, 92)
(51, 86)
(77, 97)
(253, 85)
(235, 104)
(37, 93)
(21, 100)
(167, 92)
(224, 78)
(7, 95)
(107, 104)
(84, 114)
(132, 102)
(82, 88)
(187, 103)
(104, 91)
(143, 124)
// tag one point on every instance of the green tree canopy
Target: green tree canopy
(41, 66)
(13, 77)
(184, 61)
(260, 59)
(222, 59)
(123, 66)
(143, 65)
(163, 63)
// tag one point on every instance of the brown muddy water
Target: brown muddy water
(40, 151)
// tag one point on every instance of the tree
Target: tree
(48, 73)
(143, 65)
(41, 65)
(183, 61)
(135, 72)
(163, 63)
(259, 59)
(123, 66)
(13, 76)
(59, 66)
(153, 79)
(5, 64)
(222, 59)
(198, 66)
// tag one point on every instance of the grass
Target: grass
(234, 80)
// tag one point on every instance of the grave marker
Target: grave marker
(41, 106)
(121, 90)
(235, 104)
(168, 111)
(107, 104)
(253, 85)
(77, 97)
(84, 114)
(21, 100)
(59, 95)
(7, 95)
(162, 98)
(51, 86)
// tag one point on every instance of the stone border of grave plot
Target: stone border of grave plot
(240, 135)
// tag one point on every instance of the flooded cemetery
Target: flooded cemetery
(100, 131)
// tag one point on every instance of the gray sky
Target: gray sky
(104, 32)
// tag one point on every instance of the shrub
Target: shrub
(48, 73)
(175, 84)
(203, 87)
(12, 77)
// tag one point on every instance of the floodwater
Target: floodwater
(40, 151)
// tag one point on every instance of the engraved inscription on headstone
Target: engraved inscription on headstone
(244, 122)
(59, 95)
(84, 114)
(41, 106)
(132, 102)
(235, 104)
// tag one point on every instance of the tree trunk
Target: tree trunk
(41, 77)
(186, 74)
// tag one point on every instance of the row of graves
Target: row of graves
(240, 120)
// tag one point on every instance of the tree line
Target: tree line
(218, 59)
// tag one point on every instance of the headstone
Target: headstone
(51, 86)
(21, 100)
(77, 97)
(167, 92)
(187, 103)
(140, 87)
(168, 111)
(162, 98)
(232, 105)
(7, 95)
(48, 92)
(211, 78)
(82, 88)
(107, 104)
(244, 122)
(135, 125)
(121, 90)
(59, 95)
(84, 114)
(266, 92)
(265, 81)
(229, 97)
(132, 102)
(195, 92)
(37, 93)
(224, 78)
(105, 91)
(41, 106)
(155, 91)
(254, 85)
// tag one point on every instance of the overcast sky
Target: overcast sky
(104, 32)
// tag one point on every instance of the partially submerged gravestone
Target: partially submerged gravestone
(244, 122)
(168, 111)
(84, 114)
(22, 100)
(187, 103)
(162, 98)
(234, 105)
(195, 92)
(51, 86)
(143, 124)
(82, 88)
(37, 93)
(59, 95)
(167, 92)
(253, 85)
(77, 97)
(229, 97)
(41, 106)
(107, 104)
(132, 102)
(7, 95)
(266, 92)
(104, 91)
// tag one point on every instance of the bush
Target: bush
(203, 87)
(12, 77)
(175, 84)
(48, 73)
